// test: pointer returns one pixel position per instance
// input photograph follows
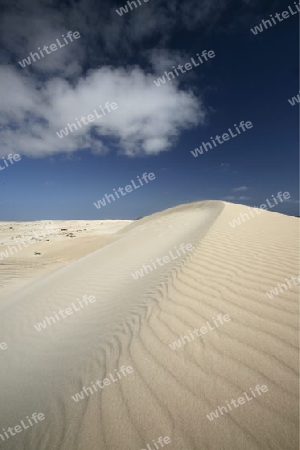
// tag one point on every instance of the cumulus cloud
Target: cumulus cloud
(39, 100)
(146, 122)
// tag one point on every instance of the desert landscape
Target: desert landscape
(149, 225)
(30, 250)
(110, 376)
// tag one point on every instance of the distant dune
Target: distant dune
(134, 322)
(31, 250)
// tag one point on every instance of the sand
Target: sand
(133, 322)
(46, 246)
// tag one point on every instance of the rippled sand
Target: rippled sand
(132, 324)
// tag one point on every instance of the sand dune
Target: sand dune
(31, 250)
(134, 321)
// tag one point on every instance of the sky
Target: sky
(153, 129)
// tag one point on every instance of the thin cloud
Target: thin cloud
(290, 200)
(234, 198)
(240, 189)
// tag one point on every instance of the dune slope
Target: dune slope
(134, 321)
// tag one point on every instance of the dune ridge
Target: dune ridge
(133, 322)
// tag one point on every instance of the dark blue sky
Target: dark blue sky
(251, 79)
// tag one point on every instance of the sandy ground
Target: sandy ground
(134, 321)
(46, 246)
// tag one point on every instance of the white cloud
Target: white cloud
(41, 99)
(240, 189)
(292, 201)
(147, 120)
(234, 198)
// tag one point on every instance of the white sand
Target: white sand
(133, 322)
(45, 251)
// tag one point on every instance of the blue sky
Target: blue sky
(251, 79)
